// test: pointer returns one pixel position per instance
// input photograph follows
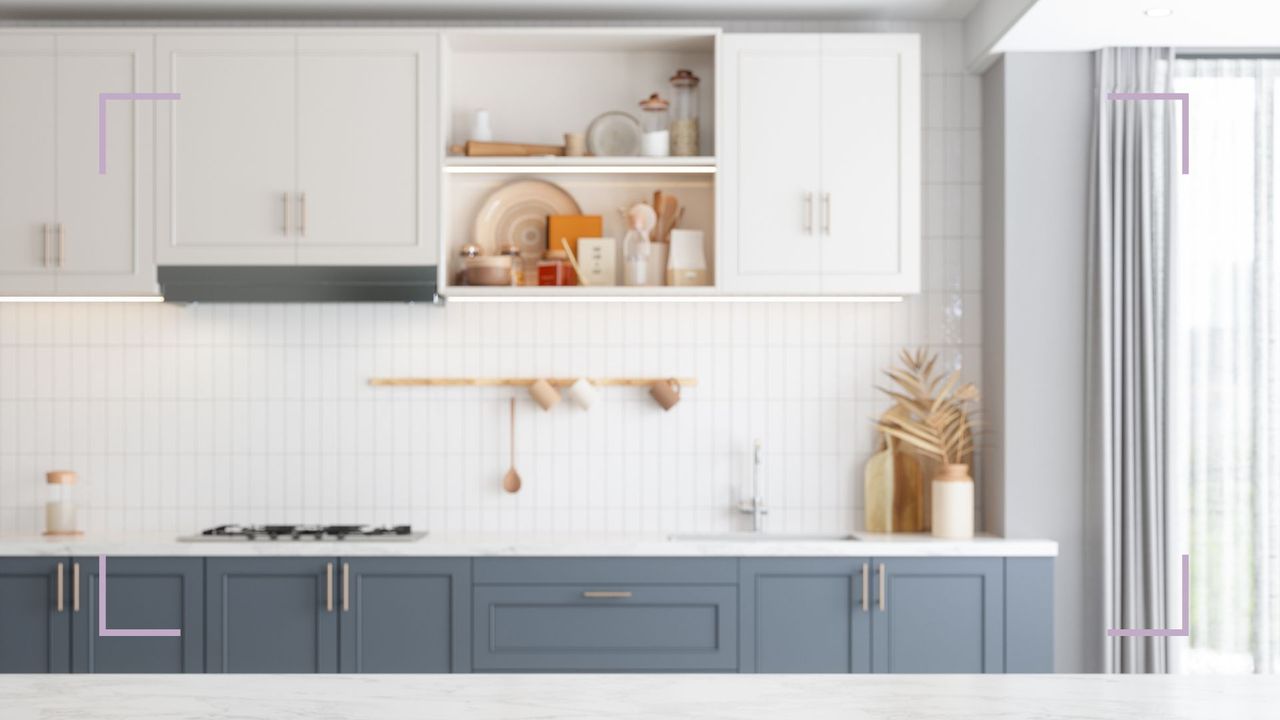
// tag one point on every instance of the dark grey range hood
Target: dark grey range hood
(298, 283)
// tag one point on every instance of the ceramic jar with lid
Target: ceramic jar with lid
(60, 503)
(684, 113)
(656, 140)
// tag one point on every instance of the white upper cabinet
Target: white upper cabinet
(65, 227)
(822, 164)
(311, 148)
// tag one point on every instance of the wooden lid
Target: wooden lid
(60, 477)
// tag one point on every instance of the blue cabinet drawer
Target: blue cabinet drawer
(605, 628)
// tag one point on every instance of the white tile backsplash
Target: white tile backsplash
(177, 418)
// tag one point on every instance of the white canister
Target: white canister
(953, 503)
(60, 503)
(481, 130)
(656, 265)
(686, 261)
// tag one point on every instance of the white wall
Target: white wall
(179, 418)
(1034, 314)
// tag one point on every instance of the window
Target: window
(1224, 385)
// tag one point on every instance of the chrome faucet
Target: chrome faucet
(755, 506)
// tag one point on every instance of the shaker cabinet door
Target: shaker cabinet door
(35, 620)
(143, 593)
(226, 157)
(271, 615)
(804, 615)
(938, 615)
(773, 158)
(368, 154)
(103, 242)
(870, 204)
(401, 615)
(28, 164)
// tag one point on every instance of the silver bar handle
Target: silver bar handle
(75, 587)
(346, 580)
(866, 587)
(302, 214)
(44, 247)
(61, 589)
(284, 206)
(880, 574)
(328, 587)
(607, 594)
(826, 213)
(62, 243)
(808, 213)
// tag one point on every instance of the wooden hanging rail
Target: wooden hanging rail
(524, 382)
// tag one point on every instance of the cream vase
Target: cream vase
(953, 503)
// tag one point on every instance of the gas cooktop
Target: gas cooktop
(388, 533)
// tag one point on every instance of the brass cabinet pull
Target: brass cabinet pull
(61, 590)
(607, 594)
(826, 213)
(866, 587)
(75, 587)
(346, 576)
(62, 243)
(302, 214)
(808, 213)
(328, 587)
(285, 208)
(880, 575)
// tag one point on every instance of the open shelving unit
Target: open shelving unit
(538, 84)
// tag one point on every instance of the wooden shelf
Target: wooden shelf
(575, 293)
(524, 382)
(699, 165)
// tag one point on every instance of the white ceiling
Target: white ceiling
(486, 9)
(1092, 24)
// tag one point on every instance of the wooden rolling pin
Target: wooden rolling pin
(476, 148)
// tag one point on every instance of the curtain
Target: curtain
(1226, 343)
(1130, 220)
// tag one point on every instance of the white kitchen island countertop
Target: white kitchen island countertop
(636, 697)
(533, 545)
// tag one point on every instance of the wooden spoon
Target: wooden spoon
(511, 481)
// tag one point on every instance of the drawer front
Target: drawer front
(615, 628)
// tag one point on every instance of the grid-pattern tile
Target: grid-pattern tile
(178, 418)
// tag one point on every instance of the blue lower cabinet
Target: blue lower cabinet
(1028, 615)
(405, 615)
(605, 615)
(35, 615)
(271, 615)
(143, 593)
(805, 615)
(937, 615)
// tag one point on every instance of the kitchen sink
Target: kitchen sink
(760, 537)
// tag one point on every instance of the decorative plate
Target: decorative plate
(516, 214)
(614, 134)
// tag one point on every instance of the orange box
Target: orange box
(566, 229)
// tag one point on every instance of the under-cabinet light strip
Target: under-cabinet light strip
(676, 298)
(583, 169)
(81, 299)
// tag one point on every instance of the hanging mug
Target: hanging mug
(666, 393)
(544, 394)
(582, 393)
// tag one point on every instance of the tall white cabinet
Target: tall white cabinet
(309, 148)
(66, 228)
(821, 168)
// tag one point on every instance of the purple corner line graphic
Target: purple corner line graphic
(103, 630)
(1183, 631)
(102, 118)
(1185, 99)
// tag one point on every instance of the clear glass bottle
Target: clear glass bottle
(60, 503)
(684, 113)
(656, 140)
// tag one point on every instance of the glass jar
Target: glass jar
(60, 503)
(656, 140)
(684, 113)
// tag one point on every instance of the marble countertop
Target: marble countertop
(537, 545)
(635, 697)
